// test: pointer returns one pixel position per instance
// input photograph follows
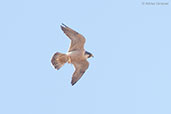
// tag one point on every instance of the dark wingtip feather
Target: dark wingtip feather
(73, 83)
(64, 25)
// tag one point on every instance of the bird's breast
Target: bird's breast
(76, 55)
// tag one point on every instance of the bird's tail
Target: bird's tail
(59, 59)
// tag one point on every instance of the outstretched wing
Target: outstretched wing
(80, 68)
(77, 40)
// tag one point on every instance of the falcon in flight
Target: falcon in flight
(76, 54)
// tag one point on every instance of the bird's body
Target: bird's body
(76, 54)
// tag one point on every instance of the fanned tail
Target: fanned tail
(58, 60)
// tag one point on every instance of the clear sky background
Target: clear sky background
(130, 73)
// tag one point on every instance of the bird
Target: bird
(76, 55)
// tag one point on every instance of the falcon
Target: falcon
(76, 54)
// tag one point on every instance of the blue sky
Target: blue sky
(130, 73)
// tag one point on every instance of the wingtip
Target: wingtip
(63, 25)
(73, 83)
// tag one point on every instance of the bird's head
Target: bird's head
(88, 54)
